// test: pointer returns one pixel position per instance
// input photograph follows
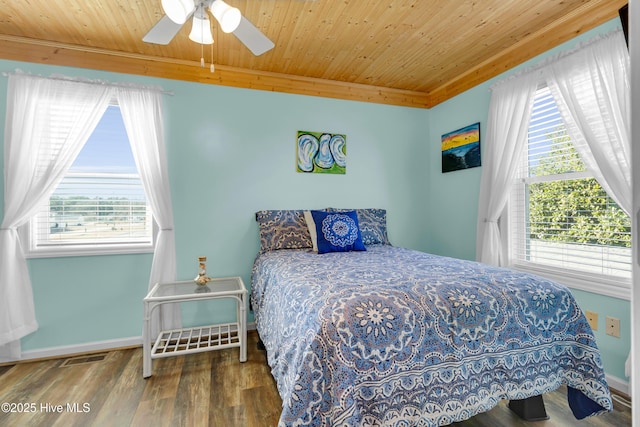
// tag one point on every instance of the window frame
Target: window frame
(609, 285)
(29, 236)
(31, 250)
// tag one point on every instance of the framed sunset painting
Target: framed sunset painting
(461, 148)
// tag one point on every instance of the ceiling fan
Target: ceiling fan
(177, 12)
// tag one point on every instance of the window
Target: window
(561, 221)
(100, 205)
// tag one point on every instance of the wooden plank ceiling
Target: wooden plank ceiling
(404, 52)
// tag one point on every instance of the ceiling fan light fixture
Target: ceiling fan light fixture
(178, 10)
(201, 30)
(228, 17)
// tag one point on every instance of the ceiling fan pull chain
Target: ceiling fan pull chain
(201, 46)
(211, 67)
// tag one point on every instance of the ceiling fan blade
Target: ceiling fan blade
(163, 32)
(248, 34)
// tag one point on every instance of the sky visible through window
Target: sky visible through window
(108, 149)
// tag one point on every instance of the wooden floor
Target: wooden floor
(206, 389)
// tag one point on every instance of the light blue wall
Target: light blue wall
(231, 152)
(453, 201)
(453, 196)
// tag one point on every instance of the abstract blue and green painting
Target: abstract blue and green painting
(321, 152)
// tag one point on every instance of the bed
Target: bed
(378, 335)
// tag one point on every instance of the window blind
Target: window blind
(103, 208)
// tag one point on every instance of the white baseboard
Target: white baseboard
(91, 347)
(618, 384)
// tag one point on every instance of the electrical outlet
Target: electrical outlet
(592, 318)
(613, 326)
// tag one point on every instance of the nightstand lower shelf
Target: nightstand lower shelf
(193, 340)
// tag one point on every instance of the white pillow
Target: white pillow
(311, 225)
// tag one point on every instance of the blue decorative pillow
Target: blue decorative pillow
(373, 225)
(337, 231)
(282, 229)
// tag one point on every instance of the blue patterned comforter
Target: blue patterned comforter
(396, 337)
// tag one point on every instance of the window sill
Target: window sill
(616, 287)
(92, 250)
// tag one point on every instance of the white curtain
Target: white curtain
(592, 89)
(507, 127)
(47, 123)
(142, 115)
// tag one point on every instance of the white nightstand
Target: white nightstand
(202, 338)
